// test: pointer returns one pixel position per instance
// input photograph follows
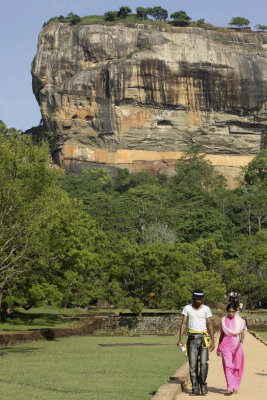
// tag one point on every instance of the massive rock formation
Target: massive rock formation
(137, 96)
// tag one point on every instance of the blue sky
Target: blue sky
(22, 20)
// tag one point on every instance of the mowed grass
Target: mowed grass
(263, 335)
(78, 368)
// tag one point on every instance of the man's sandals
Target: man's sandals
(202, 393)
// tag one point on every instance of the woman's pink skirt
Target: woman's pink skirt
(233, 361)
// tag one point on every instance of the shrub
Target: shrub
(200, 22)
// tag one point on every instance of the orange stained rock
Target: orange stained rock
(128, 156)
(131, 117)
(136, 160)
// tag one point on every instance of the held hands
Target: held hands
(212, 345)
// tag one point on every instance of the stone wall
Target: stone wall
(140, 326)
(257, 324)
(161, 325)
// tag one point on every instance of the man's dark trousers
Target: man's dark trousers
(198, 362)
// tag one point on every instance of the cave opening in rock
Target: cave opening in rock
(164, 122)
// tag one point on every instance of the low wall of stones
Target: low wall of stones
(130, 325)
(160, 324)
(140, 326)
(257, 324)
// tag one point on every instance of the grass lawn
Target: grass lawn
(263, 335)
(78, 368)
(37, 318)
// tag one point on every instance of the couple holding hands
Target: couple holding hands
(201, 340)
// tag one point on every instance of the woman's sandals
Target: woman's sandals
(230, 393)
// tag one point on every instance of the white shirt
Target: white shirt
(197, 317)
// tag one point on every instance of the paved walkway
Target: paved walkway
(254, 382)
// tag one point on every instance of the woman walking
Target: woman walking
(231, 349)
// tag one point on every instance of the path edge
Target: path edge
(177, 382)
(258, 337)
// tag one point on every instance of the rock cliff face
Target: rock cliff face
(137, 96)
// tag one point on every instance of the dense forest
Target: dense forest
(134, 241)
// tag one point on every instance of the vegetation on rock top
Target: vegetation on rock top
(152, 15)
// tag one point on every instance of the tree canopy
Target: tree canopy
(158, 13)
(180, 18)
(239, 22)
(142, 12)
(261, 27)
(123, 12)
(135, 240)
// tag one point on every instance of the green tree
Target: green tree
(180, 18)
(69, 263)
(248, 271)
(54, 254)
(123, 12)
(253, 206)
(160, 275)
(26, 181)
(255, 173)
(261, 27)
(158, 13)
(110, 16)
(142, 12)
(196, 172)
(240, 22)
(75, 19)
(123, 181)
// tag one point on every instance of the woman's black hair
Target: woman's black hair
(231, 305)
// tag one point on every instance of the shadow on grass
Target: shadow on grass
(35, 319)
(14, 349)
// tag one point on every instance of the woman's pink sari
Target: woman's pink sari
(232, 351)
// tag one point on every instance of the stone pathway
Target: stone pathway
(254, 382)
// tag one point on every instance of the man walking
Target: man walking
(200, 339)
